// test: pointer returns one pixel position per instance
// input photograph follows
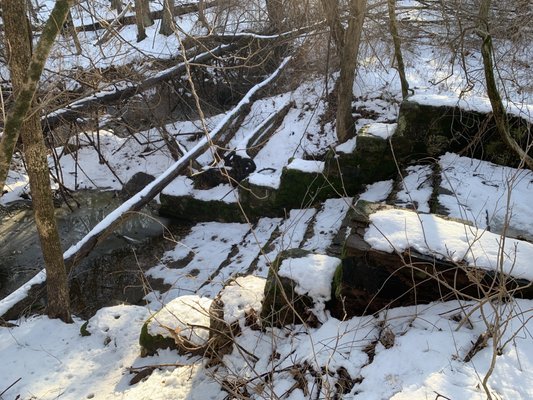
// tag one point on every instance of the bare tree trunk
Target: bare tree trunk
(276, 11)
(393, 26)
(498, 109)
(350, 53)
(143, 18)
(18, 41)
(331, 9)
(116, 5)
(201, 14)
(167, 20)
(27, 91)
(347, 41)
(71, 30)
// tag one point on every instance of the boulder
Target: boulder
(235, 308)
(371, 160)
(302, 184)
(136, 183)
(298, 285)
(180, 200)
(396, 257)
(182, 325)
(428, 128)
(190, 208)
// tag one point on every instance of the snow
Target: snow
(264, 180)
(9, 301)
(209, 245)
(183, 186)
(384, 131)
(299, 133)
(347, 147)
(245, 293)
(54, 360)
(489, 195)
(307, 166)
(186, 316)
(428, 353)
(416, 188)
(327, 223)
(377, 192)
(313, 274)
(291, 234)
(399, 230)
(473, 103)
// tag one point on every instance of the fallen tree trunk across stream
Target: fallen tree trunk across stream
(120, 91)
(123, 90)
(179, 10)
(22, 298)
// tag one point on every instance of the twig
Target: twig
(10, 386)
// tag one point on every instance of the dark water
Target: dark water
(20, 253)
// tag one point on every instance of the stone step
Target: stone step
(301, 183)
(397, 257)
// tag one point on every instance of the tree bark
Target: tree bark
(116, 5)
(29, 86)
(167, 21)
(18, 41)
(498, 109)
(331, 9)
(143, 18)
(70, 29)
(393, 26)
(201, 14)
(276, 11)
(350, 53)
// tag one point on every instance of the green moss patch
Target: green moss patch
(192, 209)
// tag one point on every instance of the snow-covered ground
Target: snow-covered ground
(434, 351)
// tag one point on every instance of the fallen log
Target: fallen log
(123, 90)
(119, 91)
(25, 296)
(110, 28)
(181, 9)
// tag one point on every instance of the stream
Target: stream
(110, 274)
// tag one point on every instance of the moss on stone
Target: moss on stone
(150, 344)
(427, 130)
(83, 329)
(337, 282)
(191, 209)
(260, 200)
(281, 305)
(297, 189)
